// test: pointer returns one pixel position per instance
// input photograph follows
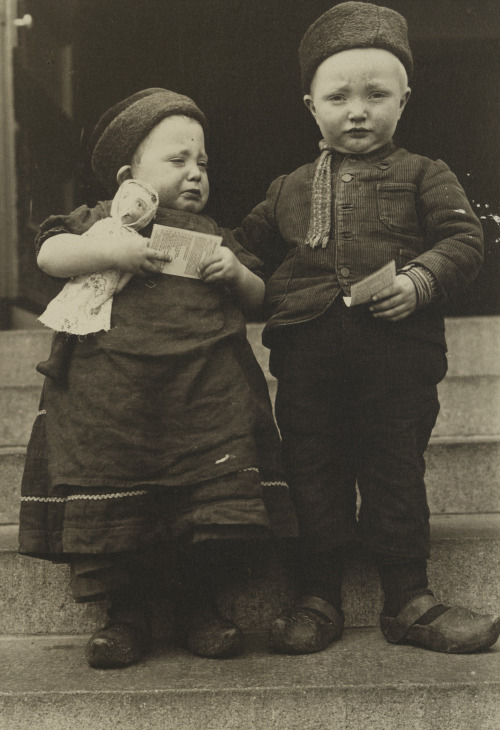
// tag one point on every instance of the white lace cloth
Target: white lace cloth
(84, 305)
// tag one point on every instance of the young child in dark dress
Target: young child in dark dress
(84, 305)
(357, 397)
(162, 432)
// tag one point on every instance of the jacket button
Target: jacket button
(347, 177)
(344, 271)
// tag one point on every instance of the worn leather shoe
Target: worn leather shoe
(310, 626)
(117, 645)
(212, 636)
(425, 622)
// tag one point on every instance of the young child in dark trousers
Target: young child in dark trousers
(160, 440)
(357, 396)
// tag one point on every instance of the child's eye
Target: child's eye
(177, 160)
(378, 95)
(203, 164)
(336, 98)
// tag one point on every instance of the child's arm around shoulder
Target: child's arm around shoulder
(63, 252)
(259, 231)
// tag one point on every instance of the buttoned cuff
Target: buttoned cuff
(424, 281)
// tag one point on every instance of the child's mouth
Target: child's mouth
(193, 193)
(357, 132)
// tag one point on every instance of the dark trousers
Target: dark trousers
(356, 404)
(183, 571)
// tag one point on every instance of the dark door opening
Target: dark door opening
(239, 62)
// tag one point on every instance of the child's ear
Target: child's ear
(404, 100)
(308, 101)
(124, 173)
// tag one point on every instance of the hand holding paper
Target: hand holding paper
(221, 266)
(364, 291)
(393, 297)
(200, 256)
(187, 250)
(397, 301)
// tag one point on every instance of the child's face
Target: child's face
(357, 98)
(172, 159)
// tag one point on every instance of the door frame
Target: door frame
(8, 190)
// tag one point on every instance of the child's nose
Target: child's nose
(194, 172)
(357, 111)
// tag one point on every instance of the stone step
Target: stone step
(463, 569)
(358, 683)
(470, 393)
(20, 383)
(18, 406)
(463, 476)
(11, 469)
(473, 345)
(20, 351)
(470, 406)
(473, 349)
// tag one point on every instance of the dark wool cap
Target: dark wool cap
(353, 25)
(119, 131)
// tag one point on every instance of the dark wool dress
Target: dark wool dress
(164, 428)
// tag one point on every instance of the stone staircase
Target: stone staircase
(359, 683)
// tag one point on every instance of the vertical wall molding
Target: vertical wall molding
(8, 181)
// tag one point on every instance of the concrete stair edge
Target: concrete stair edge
(358, 683)
(465, 554)
(465, 336)
(470, 406)
(467, 526)
(21, 350)
(463, 475)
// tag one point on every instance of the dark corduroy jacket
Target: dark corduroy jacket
(389, 204)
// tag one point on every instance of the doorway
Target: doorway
(238, 61)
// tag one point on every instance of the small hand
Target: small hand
(134, 256)
(221, 267)
(149, 266)
(397, 301)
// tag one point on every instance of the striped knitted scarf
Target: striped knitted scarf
(321, 200)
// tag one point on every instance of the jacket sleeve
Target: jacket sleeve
(259, 233)
(453, 232)
(77, 222)
(245, 257)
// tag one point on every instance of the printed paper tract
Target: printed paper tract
(188, 249)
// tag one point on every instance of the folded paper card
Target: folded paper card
(187, 249)
(364, 290)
